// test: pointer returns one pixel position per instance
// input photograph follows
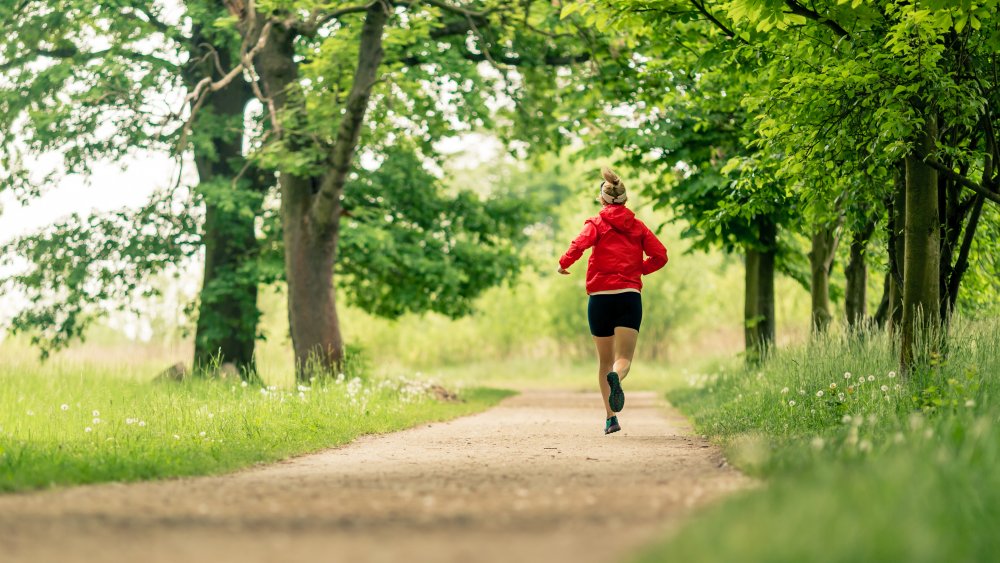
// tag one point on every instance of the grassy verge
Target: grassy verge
(860, 465)
(76, 427)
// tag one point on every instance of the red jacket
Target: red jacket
(619, 241)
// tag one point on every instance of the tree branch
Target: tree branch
(701, 8)
(800, 10)
(326, 206)
(981, 189)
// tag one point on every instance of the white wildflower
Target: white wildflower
(64, 407)
(833, 386)
(802, 391)
(129, 421)
(243, 384)
(784, 390)
(202, 434)
(176, 437)
(840, 396)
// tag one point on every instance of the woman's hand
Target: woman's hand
(563, 271)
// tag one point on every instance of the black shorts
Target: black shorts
(605, 312)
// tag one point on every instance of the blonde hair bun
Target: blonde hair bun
(613, 189)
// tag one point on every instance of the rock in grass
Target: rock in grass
(176, 372)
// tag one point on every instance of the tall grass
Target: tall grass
(861, 464)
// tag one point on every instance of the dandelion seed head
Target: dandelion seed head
(202, 434)
(784, 390)
(833, 386)
(970, 403)
(791, 403)
(96, 420)
(885, 388)
(847, 375)
(64, 407)
(892, 375)
(871, 378)
(95, 413)
(142, 423)
(243, 384)
(819, 393)
(88, 429)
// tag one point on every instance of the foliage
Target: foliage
(100, 263)
(409, 247)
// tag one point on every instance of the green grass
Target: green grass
(65, 426)
(907, 473)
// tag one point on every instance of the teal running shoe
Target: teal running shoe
(617, 398)
(611, 425)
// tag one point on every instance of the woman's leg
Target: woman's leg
(605, 357)
(624, 341)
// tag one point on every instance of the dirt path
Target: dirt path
(531, 480)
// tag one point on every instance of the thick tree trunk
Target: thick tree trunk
(226, 329)
(824, 247)
(759, 299)
(856, 274)
(921, 268)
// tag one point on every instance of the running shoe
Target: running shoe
(611, 425)
(617, 398)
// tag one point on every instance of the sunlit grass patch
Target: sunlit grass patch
(70, 428)
(861, 464)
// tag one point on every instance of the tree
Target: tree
(64, 96)
(310, 89)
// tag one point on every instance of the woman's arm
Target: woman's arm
(583, 241)
(655, 251)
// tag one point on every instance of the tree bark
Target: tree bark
(856, 274)
(759, 292)
(882, 314)
(921, 267)
(897, 248)
(824, 247)
(226, 330)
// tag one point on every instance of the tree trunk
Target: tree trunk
(226, 329)
(897, 247)
(921, 268)
(824, 246)
(856, 273)
(759, 298)
(882, 314)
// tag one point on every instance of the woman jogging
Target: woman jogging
(614, 280)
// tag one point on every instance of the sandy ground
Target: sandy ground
(533, 479)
